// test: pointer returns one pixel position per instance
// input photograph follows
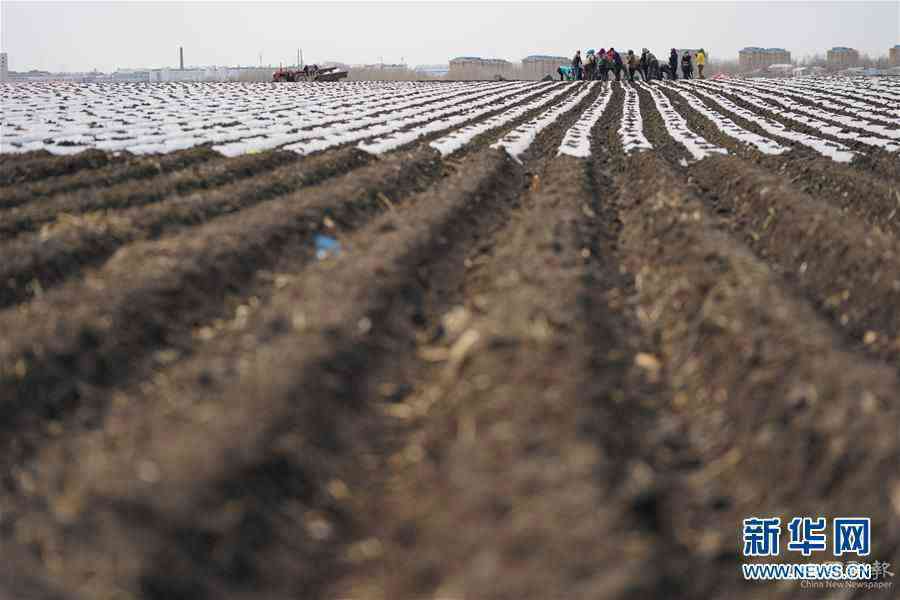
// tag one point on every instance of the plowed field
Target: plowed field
(392, 341)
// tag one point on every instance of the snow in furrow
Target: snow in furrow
(517, 141)
(343, 126)
(117, 121)
(831, 100)
(355, 116)
(68, 118)
(678, 128)
(871, 93)
(834, 150)
(757, 99)
(788, 102)
(400, 120)
(631, 132)
(729, 127)
(380, 145)
(840, 86)
(577, 140)
(456, 140)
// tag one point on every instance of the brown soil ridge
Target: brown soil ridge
(152, 288)
(34, 166)
(513, 437)
(882, 120)
(866, 196)
(163, 579)
(122, 168)
(869, 159)
(850, 271)
(286, 407)
(63, 250)
(210, 175)
(22, 578)
(746, 359)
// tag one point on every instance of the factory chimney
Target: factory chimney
(181, 57)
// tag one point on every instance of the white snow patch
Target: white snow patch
(380, 145)
(517, 141)
(834, 150)
(678, 128)
(401, 119)
(459, 138)
(577, 141)
(729, 127)
(757, 99)
(631, 131)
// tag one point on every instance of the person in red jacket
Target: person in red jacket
(616, 63)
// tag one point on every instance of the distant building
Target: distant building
(131, 75)
(537, 66)
(194, 74)
(432, 70)
(4, 67)
(160, 75)
(753, 57)
(894, 55)
(474, 67)
(841, 56)
(383, 66)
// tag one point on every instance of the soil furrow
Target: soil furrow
(34, 263)
(849, 270)
(658, 135)
(515, 375)
(870, 134)
(22, 578)
(129, 168)
(211, 174)
(72, 337)
(798, 96)
(460, 199)
(864, 195)
(289, 393)
(513, 427)
(25, 168)
(869, 159)
(59, 252)
(408, 376)
(746, 359)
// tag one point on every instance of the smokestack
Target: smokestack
(181, 57)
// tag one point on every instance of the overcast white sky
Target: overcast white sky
(78, 35)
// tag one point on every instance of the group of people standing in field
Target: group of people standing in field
(602, 65)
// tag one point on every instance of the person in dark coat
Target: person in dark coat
(687, 67)
(645, 64)
(653, 66)
(576, 65)
(673, 64)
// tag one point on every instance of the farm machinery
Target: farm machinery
(309, 73)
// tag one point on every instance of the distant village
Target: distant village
(752, 60)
